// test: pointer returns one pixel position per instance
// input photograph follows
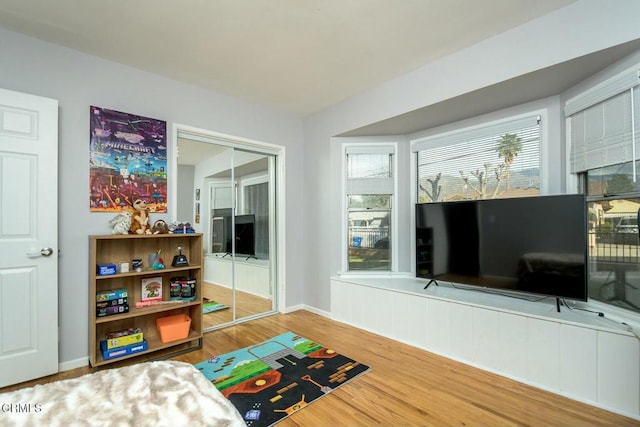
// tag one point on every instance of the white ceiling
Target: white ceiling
(298, 56)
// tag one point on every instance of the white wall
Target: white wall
(184, 207)
(576, 30)
(77, 81)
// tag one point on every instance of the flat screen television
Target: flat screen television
(244, 233)
(536, 245)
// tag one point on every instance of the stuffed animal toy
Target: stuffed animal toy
(121, 223)
(140, 220)
(160, 227)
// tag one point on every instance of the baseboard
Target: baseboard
(308, 308)
(73, 364)
(293, 308)
(316, 310)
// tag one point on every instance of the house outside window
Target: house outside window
(370, 181)
(498, 159)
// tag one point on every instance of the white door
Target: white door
(28, 237)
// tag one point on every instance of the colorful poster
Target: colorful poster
(128, 161)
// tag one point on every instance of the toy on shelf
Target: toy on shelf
(160, 227)
(121, 223)
(122, 351)
(181, 228)
(155, 261)
(140, 220)
(141, 304)
(182, 289)
(179, 260)
(124, 337)
(112, 302)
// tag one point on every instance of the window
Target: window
(604, 124)
(369, 192)
(256, 201)
(497, 159)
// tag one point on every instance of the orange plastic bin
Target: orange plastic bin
(173, 328)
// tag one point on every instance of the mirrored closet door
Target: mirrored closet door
(233, 188)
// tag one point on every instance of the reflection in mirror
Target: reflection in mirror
(230, 199)
(250, 230)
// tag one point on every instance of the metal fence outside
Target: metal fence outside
(367, 237)
(614, 247)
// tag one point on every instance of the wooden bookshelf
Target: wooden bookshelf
(117, 249)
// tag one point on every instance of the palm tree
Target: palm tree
(508, 148)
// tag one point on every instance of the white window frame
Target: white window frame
(393, 242)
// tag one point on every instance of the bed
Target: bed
(164, 393)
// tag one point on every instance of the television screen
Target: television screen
(243, 236)
(530, 244)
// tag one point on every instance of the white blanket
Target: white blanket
(163, 393)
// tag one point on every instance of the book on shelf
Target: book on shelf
(151, 289)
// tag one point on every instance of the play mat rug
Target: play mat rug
(271, 380)
(211, 306)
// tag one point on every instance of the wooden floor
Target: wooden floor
(406, 386)
(246, 304)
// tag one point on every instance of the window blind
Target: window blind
(369, 170)
(605, 123)
(474, 133)
(445, 160)
(222, 198)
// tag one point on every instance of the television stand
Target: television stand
(246, 259)
(434, 281)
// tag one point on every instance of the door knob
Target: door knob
(41, 252)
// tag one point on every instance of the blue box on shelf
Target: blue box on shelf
(105, 269)
(122, 351)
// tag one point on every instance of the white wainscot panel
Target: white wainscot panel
(401, 316)
(438, 326)
(249, 276)
(486, 337)
(461, 329)
(386, 324)
(217, 271)
(358, 302)
(578, 362)
(375, 316)
(543, 353)
(419, 308)
(340, 301)
(513, 345)
(618, 371)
